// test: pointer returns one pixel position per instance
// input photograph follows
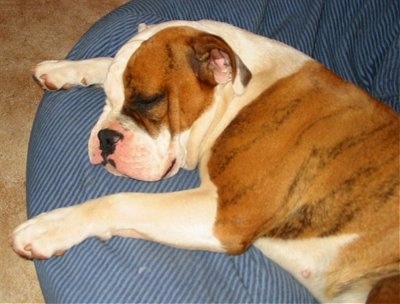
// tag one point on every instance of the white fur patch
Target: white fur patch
(307, 259)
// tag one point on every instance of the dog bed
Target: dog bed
(356, 39)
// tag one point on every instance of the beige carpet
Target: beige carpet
(30, 31)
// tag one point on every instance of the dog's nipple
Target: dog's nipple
(306, 273)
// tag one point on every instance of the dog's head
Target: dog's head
(157, 88)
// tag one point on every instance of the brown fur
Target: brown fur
(324, 159)
(386, 291)
(185, 83)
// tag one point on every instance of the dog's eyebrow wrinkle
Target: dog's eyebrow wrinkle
(170, 53)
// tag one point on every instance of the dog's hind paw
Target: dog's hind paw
(58, 74)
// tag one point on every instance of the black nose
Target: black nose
(108, 138)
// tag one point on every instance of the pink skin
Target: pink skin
(137, 155)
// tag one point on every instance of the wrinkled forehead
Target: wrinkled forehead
(114, 86)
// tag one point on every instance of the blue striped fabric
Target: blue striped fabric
(357, 39)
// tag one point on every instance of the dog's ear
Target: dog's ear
(214, 62)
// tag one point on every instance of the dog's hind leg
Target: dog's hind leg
(64, 74)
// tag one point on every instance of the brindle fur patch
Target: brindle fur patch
(312, 156)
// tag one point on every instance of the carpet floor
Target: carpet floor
(30, 32)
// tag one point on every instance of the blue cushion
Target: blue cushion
(357, 39)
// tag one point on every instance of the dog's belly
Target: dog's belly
(308, 259)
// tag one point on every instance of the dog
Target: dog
(292, 159)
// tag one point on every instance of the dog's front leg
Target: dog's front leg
(181, 219)
(64, 74)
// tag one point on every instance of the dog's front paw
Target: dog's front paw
(48, 234)
(58, 74)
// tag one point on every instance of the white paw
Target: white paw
(48, 234)
(58, 74)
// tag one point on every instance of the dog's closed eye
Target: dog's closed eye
(142, 103)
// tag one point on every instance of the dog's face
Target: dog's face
(168, 82)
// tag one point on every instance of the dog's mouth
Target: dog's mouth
(107, 160)
(169, 169)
